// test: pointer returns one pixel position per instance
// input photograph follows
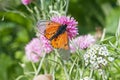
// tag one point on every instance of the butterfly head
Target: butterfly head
(64, 25)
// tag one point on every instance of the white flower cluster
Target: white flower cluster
(97, 56)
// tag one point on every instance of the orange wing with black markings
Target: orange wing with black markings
(61, 41)
(51, 29)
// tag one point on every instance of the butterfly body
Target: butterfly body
(60, 30)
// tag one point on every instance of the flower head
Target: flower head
(82, 42)
(97, 56)
(26, 2)
(37, 47)
(71, 23)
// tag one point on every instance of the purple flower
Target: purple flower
(26, 2)
(71, 23)
(82, 42)
(37, 47)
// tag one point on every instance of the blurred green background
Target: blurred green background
(16, 29)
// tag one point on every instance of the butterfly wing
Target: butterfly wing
(51, 29)
(61, 41)
(62, 44)
(41, 26)
(65, 54)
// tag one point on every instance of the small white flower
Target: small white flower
(86, 56)
(92, 61)
(86, 63)
(100, 53)
(111, 59)
(99, 60)
(105, 53)
(95, 65)
(104, 62)
(93, 57)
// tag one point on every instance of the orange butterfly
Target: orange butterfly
(56, 33)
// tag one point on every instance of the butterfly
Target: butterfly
(56, 33)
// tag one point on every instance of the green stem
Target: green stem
(40, 65)
(117, 43)
(91, 73)
(66, 72)
(37, 13)
(20, 77)
(67, 5)
(42, 4)
(30, 10)
(64, 66)
(103, 35)
(42, 9)
(34, 67)
(54, 67)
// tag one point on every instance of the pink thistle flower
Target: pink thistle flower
(37, 47)
(82, 42)
(71, 23)
(46, 44)
(26, 2)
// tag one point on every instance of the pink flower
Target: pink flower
(45, 44)
(71, 23)
(37, 47)
(82, 42)
(26, 2)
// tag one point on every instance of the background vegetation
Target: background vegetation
(16, 29)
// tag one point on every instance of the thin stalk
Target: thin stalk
(33, 15)
(103, 35)
(54, 67)
(40, 65)
(34, 67)
(118, 34)
(64, 66)
(37, 13)
(67, 5)
(66, 72)
(91, 73)
(71, 69)
(42, 4)
(20, 77)
(42, 9)
(30, 10)
(78, 71)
